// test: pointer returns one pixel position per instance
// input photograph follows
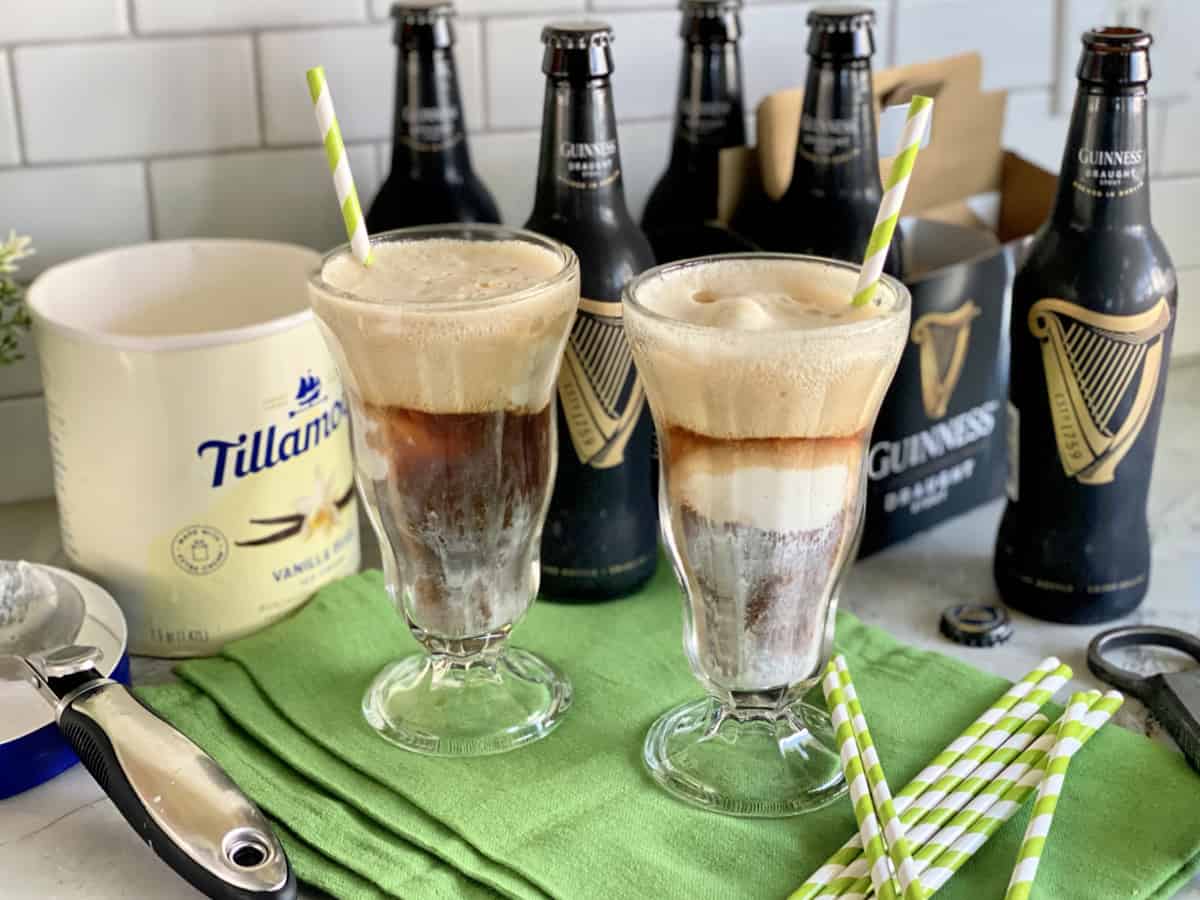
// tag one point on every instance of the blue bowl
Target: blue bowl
(32, 750)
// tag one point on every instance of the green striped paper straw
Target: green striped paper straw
(898, 848)
(1048, 792)
(979, 732)
(970, 775)
(339, 165)
(936, 816)
(1011, 800)
(919, 111)
(1019, 768)
(856, 778)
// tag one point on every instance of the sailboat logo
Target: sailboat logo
(309, 391)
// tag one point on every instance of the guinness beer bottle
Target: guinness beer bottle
(1093, 312)
(681, 214)
(601, 535)
(830, 204)
(431, 179)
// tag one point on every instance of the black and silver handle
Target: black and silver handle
(174, 794)
(1173, 697)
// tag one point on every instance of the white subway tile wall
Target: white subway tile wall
(1179, 154)
(358, 68)
(285, 195)
(1016, 37)
(62, 20)
(77, 209)
(10, 151)
(507, 163)
(514, 71)
(157, 16)
(185, 118)
(136, 98)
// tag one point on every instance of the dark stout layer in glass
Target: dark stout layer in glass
(459, 488)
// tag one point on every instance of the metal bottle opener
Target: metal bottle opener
(1173, 697)
(175, 796)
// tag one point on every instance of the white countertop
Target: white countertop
(65, 840)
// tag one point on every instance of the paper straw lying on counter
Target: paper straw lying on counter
(1034, 841)
(852, 883)
(979, 738)
(983, 824)
(898, 848)
(967, 779)
(856, 780)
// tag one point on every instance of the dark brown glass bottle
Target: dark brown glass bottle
(1093, 313)
(830, 204)
(681, 215)
(431, 179)
(601, 535)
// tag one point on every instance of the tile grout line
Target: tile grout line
(151, 211)
(1057, 35)
(18, 123)
(376, 140)
(484, 79)
(260, 100)
(131, 17)
(893, 48)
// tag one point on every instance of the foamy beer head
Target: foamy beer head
(764, 383)
(451, 324)
(449, 345)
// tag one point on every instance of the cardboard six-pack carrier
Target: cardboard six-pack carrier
(938, 448)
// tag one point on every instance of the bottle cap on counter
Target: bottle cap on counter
(977, 624)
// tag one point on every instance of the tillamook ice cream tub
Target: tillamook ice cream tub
(199, 435)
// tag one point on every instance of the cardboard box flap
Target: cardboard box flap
(965, 155)
(737, 178)
(1026, 198)
(963, 158)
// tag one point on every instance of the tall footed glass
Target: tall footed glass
(449, 346)
(764, 384)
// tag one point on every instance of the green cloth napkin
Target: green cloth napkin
(575, 815)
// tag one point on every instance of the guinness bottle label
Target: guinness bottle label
(944, 339)
(1102, 372)
(1109, 173)
(599, 388)
(588, 165)
(830, 141)
(431, 128)
(702, 121)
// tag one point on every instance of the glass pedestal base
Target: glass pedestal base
(467, 706)
(759, 763)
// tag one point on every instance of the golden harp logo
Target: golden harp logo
(601, 393)
(943, 338)
(1101, 375)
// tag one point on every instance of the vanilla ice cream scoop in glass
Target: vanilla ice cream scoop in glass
(764, 383)
(449, 345)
